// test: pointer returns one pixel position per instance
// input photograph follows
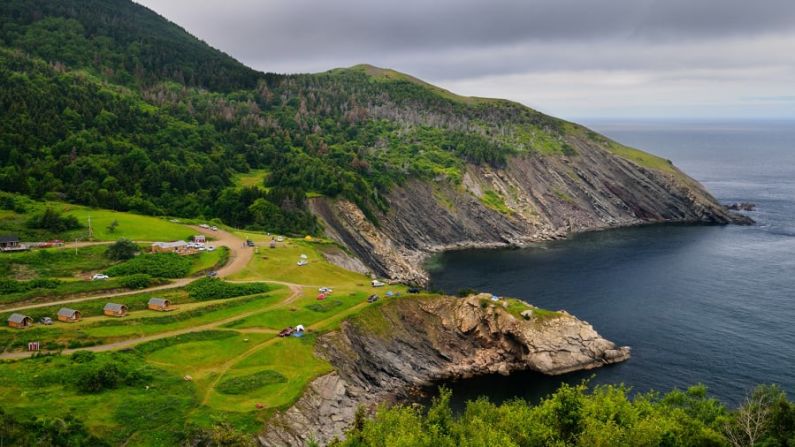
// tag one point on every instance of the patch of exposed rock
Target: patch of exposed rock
(545, 197)
(388, 351)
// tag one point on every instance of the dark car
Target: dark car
(372, 298)
(286, 332)
(414, 290)
(249, 243)
(212, 274)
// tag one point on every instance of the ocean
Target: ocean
(698, 304)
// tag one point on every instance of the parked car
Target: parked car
(211, 248)
(325, 290)
(414, 290)
(214, 228)
(286, 332)
(372, 298)
(46, 320)
(249, 243)
(212, 274)
(204, 226)
(377, 283)
(99, 276)
(301, 263)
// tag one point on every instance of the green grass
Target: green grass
(494, 201)
(248, 383)
(280, 264)
(209, 260)
(255, 177)
(131, 226)
(642, 158)
(54, 263)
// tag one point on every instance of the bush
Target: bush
(122, 250)
(106, 376)
(161, 265)
(213, 288)
(251, 382)
(137, 281)
(83, 356)
(8, 286)
(53, 221)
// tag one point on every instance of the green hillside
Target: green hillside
(107, 104)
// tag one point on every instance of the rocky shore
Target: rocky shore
(533, 198)
(390, 350)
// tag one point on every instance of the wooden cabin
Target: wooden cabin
(115, 310)
(68, 315)
(11, 243)
(160, 304)
(19, 321)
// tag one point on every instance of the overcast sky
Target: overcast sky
(571, 58)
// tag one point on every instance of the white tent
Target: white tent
(299, 328)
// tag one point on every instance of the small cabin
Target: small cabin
(11, 243)
(160, 304)
(115, 310)
(68, 315)
(19, 321)
(200, 238)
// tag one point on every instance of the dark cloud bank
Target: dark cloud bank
(708, 58)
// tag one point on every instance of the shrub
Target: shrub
(97, 378)
(251, 382)
(213, 288)
(137, 281)
(122, 250)
(53, 220)
(8, 286)
(83, 356)
(162, 265)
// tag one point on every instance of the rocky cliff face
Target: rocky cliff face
(534, 197)
(389, 350)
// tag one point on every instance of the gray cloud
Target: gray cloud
(479, 45)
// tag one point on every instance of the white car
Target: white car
(99, 276)
(214, 228)
(377, 283)
(302, 263)
(325, 290)
(204, 226)
(210, 247)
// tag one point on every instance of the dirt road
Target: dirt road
(239, 256)
(295, 293)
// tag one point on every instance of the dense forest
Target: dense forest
(576, 416)
(107, 104)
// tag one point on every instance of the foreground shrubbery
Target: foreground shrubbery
(161, 265)
(212, 288)
(575, 416)
(13, 286)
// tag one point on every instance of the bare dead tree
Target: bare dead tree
(751, 420)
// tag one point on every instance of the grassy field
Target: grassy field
(255, 177)
(131, 226)
(240, 371)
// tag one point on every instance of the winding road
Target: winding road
(239, 256)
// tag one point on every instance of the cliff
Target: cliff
(390, 350)
(534, 197)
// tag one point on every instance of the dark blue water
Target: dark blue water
(698, 304)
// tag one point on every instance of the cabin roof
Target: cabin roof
(159, 301)
(174, 244)
(17, 318)
(66, 312)
(9, 238)
(115, 307)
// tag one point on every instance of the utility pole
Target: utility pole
(90, 230)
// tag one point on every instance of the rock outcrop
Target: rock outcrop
(533, 198)
(390, 350)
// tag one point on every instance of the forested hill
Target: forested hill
(121, 40)
(105, 103)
